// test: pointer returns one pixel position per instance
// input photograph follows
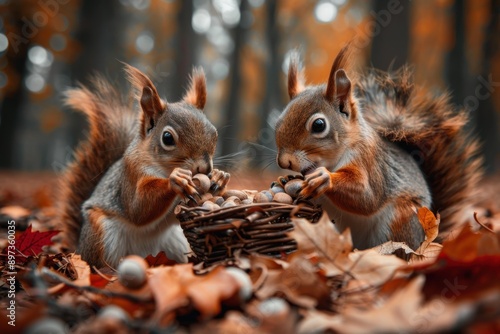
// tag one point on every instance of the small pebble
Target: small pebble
(132, 272)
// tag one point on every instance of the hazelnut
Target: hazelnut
(202, 183)
(283, 198)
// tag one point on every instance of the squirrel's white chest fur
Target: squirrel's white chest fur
(366, 231)
(123, 238)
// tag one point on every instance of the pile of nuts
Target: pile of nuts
(276, 193)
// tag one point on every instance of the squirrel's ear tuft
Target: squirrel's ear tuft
(196, 94)
(342, 62)
(147, 95)
(296, 80)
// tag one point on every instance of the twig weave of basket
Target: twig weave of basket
(252, 228)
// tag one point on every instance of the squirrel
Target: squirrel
(118, 194)
(377, 147)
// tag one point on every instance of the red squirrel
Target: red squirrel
(377, 148)
(118, 194)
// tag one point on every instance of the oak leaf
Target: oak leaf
(177, 286)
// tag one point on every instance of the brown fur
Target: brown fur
(295, 76)
(141, 185)
(363, 161)
(197, 93)
(434, 132)
(111, 125)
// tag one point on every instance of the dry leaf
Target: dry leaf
(299, 283)
(323, 240)
(177, 286)
(430, 224)
(390, 247)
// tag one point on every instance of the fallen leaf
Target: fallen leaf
(390, 247)
(300, 284)
(430, 224)
(177, 286)
(31, 243)
(159, 259)
(321, 237)
(371, 269)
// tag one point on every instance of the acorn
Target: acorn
(233, 192)
(202, 183)
(132, 272)
(234, 199)
(277, 189)
(247, 201)
(263, 197)
(283, 198)
(114, 312)
(228, 204)
(244, 282)
(210, 206)
(217, 200)
(293, 187)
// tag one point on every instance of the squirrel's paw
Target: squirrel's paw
(182, 183)
(316, 183)
(218, 181)
(282, 180)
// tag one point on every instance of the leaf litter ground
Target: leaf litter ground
(325, 286)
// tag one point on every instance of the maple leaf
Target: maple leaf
(31, 243)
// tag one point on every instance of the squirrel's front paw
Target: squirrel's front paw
(316, 183)
(182, 183)
(218, 181)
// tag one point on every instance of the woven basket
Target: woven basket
(261, 228)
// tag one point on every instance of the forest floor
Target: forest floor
(323, 286)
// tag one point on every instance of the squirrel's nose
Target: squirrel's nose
(203, 165)
(284, 162)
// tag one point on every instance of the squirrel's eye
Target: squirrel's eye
(167, 139)
(318, 126)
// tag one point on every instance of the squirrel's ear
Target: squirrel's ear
(341, 62)
(196, 95)
(151, 104)
(342, 85)
(296, 80)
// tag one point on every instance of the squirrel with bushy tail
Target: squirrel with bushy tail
(118, 194)
(376, 148)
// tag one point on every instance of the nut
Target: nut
(210, 206)
(132, 272)
(202, 183)
(233, 192)
(228, 204)
(293, 187)
(234, 199)
(263, 197)
(277, 189)
(217, 200)
(283, 198)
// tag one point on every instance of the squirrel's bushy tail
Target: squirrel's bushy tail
(434, 132)
(111, 124)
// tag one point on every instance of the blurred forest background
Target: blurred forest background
(243, 45)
